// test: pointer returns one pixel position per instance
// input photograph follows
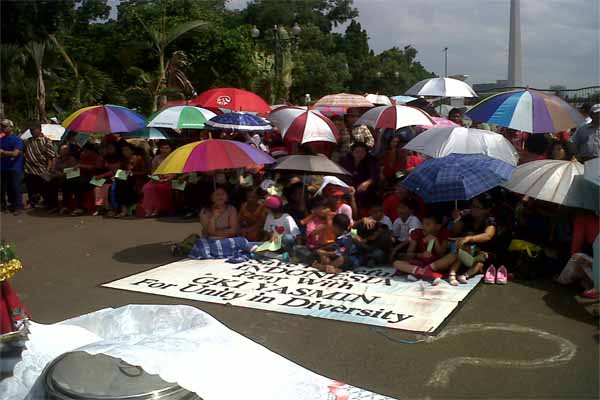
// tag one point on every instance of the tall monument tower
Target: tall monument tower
(514, 45)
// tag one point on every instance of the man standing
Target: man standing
(586, 139)
(39, 157)
(11, 168)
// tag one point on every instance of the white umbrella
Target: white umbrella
(302, 126)
(394, 117)
(442, 141)
(556, 181)
(378, 99)
(331, 180)
(51, 131)
(591, 171)
(181, 117)
(444, 87)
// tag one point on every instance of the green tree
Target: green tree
(36, 52)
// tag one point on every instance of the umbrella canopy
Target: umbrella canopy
(441, 121)
(557, 181)
(444, 87)
(147, 134)
(211, 155)
(232, 99)
(401, 100)
(591, 171)
(238, 121)
(528, 111)
(313, 165)
(378, 99)
(297, 125)
(442, 141)
(332, 111)
(394, 117)
(51, 131)
(343, 100)
(331, 180)
(106, 118)
(181, 117)
(457, 177)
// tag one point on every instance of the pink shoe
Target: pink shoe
(490, 275)
(501, 276)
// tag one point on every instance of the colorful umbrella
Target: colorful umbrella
(442, 141)
(378, 99)
(557, 181)
(106, 118)
(394, 117)
(147, 134)
(457, 177)
(443, 87)
(181, 117)
(343, 100)
(211, 155)
(238, 121)
(301, 126)
(528, 111)
(232, 99)
(51, 131)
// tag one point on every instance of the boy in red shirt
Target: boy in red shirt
(425, 246)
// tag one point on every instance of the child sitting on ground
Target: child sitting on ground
(339, 257)
(280, 224)
(404, 225)
(374, 243)
(425, 246)
(318, 224)
(377, 214)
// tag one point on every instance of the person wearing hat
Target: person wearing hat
(586, 139)
(11, 168)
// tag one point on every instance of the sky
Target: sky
(560, 38)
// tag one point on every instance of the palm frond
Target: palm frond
(181, 29)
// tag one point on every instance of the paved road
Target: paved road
(66, 259)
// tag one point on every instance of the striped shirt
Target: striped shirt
(38, 153)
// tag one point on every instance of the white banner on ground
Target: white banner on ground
(366, 296)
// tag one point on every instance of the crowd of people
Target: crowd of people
(371, 220)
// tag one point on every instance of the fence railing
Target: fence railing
(576, 97)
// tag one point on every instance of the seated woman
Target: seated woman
(110, 163)
(220, 220)
(128, 192)
(252, 215)
(477, 231)
(90, 163)
(158, 198)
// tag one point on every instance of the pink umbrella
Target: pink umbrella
(302, 126)
(441, 121)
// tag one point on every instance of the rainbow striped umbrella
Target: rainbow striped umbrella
(106, 118)
(527, 111)
(211, 155)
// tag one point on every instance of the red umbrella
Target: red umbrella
(302, 126)
(232, 99)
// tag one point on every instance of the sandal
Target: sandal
(463, 279)
(452, 279)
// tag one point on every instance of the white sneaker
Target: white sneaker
(411, 278)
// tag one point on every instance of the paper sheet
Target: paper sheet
(98, 182)
(274, 245)
(178, 185)
(72, 173)
(121, 174)
(180, 343)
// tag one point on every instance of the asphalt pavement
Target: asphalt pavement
(529, 339)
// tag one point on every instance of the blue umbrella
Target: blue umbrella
(238, 121)
(457, 177)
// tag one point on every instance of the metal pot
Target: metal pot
(82, 376)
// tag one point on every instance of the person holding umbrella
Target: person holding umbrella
(586, 139)
(365, 173)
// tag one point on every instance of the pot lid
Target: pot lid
(100, 377)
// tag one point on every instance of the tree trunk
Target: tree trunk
(162, 76)
(41, 97)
